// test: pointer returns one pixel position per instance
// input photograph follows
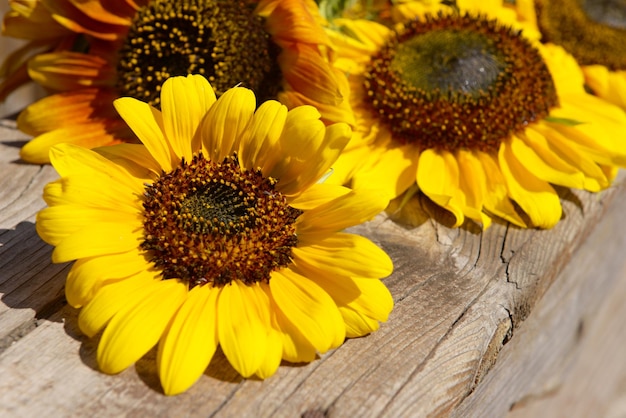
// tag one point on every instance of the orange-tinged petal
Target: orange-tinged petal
(242, 320)
(68, 15)
(70, 70)
(189, 341)
(72, 107)
(136, 329)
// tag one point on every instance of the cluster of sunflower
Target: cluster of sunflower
(212, 153)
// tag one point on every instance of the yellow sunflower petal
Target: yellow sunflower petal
(362, 302)
(89, 135)
(72, 160)
(242, 321)
(393, 172)
(610, 85)
(345, 254)
(136, 329)
(594, 180)
(273, 355)
(309, 308)
(348, 210)
(147, 123)
(317, 195)
(134, 158)
(536, 197)
(56, 223)
(308, 149)
(531, 148)
(110, 299)
(88, 275)
(98, 239)
(497, 199)
(473, 183)
(184, 102)
(189, 341)
(259, 143)
(438, 178)
(225, 123)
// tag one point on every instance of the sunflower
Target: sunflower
(593, 32)
(215, 231)
(104, 50)
(465, 108)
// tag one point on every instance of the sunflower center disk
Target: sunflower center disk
(208, 222)
(593, 31)
(458, 82)
(222, 40)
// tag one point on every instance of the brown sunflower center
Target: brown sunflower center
(209, 222)
(593, 31)
(458, 82)
(223, 40)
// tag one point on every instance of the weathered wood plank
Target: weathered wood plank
(460, 294)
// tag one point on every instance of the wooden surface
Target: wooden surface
(484, 322)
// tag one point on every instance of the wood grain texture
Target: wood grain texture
(460, 294)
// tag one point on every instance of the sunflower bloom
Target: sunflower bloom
(466, 108)
(215, 231)
(99, 51)
(593, 32)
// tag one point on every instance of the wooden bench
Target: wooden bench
(505, 321)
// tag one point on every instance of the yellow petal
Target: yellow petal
(147, 123)
(545, 165)
(438, 178)
(190, 341)
(474, 186)
(134, 158)
(594, 178)
(536, 197)
(56, 223)
(308, 149)
(317, 195)
(184, 103)
(112, 298)
(136, 329)
(348, 210)
(259, 143)
(88, 275)
(497, 199)
(309, 308)
(225, 123)
(98, 239)
(85, 135)
(243, 318)
(344, 254)
(273, 355)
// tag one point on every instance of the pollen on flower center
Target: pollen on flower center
(209, 222)
(221, 39)
(592, 31)
(458, 82)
